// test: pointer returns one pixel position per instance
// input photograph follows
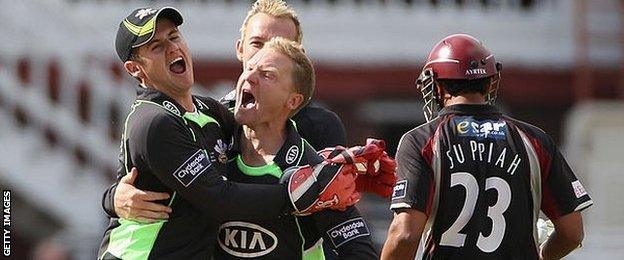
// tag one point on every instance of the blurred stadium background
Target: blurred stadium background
(63, 94)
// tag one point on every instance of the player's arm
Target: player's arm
(333, 132)
(123, 200)
(107, 198)
(347, 232)
(411, 200)
(563, 199)
(185, 167)
(567, 236)
(404, 234)
(169, 151)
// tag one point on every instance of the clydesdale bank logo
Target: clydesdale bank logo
(348, 231)
(246, 240)
(194, 166)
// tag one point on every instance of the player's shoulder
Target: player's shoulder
(531, 130)
(147, 118)
(421, 134)
(211, 103)
(149, 112)
(318, 115)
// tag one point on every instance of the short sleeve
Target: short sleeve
(562, 192)
(414, 186)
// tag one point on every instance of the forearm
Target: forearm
(108, 201)
(245, 201)
(404, 234)
(400, 246)
(557, 246)
(356, 250)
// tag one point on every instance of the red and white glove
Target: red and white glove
(323, 186)
(376, 170)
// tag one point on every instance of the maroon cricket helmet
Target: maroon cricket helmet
(456, 57)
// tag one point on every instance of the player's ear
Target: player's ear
(440, 89)
(134, 69)
(239, 50)
(295, 100)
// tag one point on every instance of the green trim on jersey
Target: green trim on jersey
(200, 118)
(133, 240)
(315, 252)
(269, 169)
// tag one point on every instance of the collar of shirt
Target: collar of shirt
(289, 154)
(155, 96)
(469, 109)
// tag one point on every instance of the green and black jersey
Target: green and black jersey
(290, 237)
(185, 155)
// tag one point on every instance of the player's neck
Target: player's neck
(182, 97)
(260, 143)
(471, 98)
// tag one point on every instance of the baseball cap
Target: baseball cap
(139, 27)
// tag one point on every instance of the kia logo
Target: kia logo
(292, 154)
(243, 239)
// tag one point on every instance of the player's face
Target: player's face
(165, 60)
(265, 93)
(261, 28)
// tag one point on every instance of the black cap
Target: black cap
(139, 27)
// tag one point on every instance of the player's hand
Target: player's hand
(377, 171)
(134, 204)
(323, 186)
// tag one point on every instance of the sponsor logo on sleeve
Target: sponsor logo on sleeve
(579, 190)
(194, 166)
(348, 231)
(400, 189)
(246, 240)
(468, 127)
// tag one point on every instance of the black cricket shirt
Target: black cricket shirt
(482, 178)
(185, 155)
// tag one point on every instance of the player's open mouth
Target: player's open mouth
(247, 99)
(177, 66)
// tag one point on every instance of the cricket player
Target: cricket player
(472, 181)
(178, 143)
(276, 83)
(320, 127)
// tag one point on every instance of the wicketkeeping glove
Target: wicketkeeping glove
(377, 171)
(325, 185)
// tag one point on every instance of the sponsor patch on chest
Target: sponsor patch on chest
(348, 231)
(194, 166)
(246, 240)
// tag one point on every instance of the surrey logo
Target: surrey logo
(171, 107)
(144, 12)
(221, 148)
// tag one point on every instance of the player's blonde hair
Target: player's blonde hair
(275, 8)
(303, 75)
